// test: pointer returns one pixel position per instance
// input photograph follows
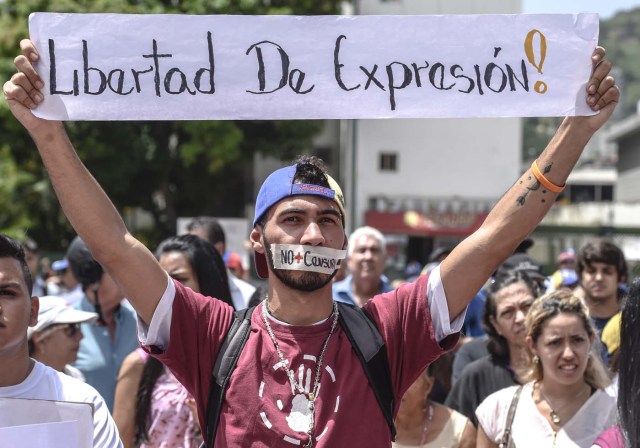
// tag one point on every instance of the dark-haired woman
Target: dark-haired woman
(152, 409)
(627, 433)
(508, 300)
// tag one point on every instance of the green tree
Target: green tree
(620, 35)
(166, 168)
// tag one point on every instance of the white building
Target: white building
(428, 182)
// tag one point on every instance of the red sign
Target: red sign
(425, 224)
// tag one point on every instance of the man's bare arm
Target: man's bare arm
(86, 205)
(520, 210)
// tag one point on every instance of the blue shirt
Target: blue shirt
(342, 291)
(100, 357)
(473, 320)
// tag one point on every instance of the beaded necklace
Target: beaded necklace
(425, 428)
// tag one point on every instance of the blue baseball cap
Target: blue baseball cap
(278, 186)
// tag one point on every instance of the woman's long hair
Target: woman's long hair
(211, 273)
(629, 379)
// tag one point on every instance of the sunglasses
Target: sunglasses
(70, 330)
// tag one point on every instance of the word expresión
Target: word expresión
(400, 75)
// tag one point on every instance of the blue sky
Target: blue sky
(606, 8)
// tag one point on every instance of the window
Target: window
(388, 162)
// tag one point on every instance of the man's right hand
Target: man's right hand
(23, 91)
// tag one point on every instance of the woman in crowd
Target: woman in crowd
(562, 402)
(152, 409)
(55, 339)
(426, 424)
(509, 298)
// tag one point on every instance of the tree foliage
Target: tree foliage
(166, 168)
(620, 36)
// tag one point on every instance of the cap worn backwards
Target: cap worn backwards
(280, 185)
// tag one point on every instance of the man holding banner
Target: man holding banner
(298, 381)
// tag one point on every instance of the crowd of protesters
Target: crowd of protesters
(537, 378)
(556, 340)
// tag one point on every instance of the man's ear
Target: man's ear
(256, 239)
(35, 306)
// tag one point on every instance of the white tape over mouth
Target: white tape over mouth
(298, 257)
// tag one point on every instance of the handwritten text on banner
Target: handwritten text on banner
(166, 67)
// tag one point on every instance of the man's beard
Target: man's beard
(301, 280)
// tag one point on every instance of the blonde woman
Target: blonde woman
(562, 402)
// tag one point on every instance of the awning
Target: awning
(425, 224)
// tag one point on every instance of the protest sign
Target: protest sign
(172, 67)
(45, 423)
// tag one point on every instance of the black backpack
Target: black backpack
(365, 339)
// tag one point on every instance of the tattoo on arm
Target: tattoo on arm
(533, 187)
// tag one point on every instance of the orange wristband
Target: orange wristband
(544, 181)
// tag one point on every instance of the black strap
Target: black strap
(225, 364)
(369, 346)
(362, 332)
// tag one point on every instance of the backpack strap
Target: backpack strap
(370, 348)
(362, 332)
(224, 366)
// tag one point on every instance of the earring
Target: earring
(536, 359)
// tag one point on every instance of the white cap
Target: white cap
(56, 310)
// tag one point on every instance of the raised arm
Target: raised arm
(524, 205)
(85, 204)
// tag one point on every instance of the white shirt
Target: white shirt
(45, 383)
(158, 332)
(241, 291)
(531, 429)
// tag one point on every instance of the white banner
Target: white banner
(45, 423)
(179, 67)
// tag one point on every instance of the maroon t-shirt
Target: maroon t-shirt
(260, 410)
